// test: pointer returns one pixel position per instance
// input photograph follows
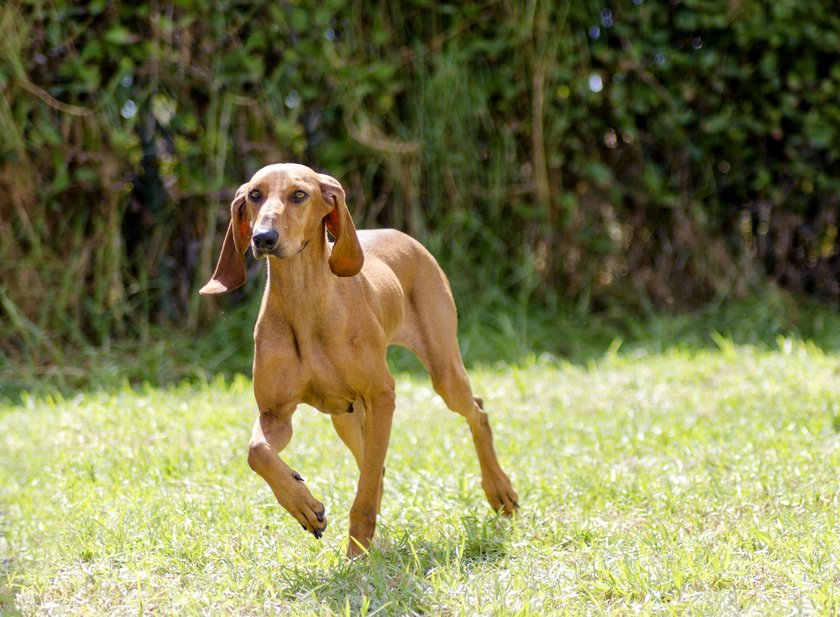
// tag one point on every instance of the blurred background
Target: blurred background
(588, 173)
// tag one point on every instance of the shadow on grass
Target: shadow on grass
(400, 574)
(8, 591)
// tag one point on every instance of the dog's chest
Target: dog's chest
(330, 386)
(327, 401)
(295, 366)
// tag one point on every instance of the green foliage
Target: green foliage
(635, 155)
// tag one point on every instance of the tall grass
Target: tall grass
(495, 329)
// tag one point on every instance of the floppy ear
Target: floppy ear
(346, 258)
(230, 271)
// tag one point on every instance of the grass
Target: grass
(683, 480)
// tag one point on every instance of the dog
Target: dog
(328, 314)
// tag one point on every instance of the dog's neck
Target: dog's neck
(297, 284)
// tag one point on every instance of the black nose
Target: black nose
(266, 241)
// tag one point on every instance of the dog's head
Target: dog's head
(278, 212)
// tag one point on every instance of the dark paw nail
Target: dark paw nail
(320, 516)
(297, 477)
(317, 533)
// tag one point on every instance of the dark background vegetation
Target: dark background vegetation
(572, 164)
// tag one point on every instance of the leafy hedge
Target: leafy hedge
(639, 153)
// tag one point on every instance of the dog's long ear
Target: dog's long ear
(346, 258)
(230, 270)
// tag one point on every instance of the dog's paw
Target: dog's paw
(501, 495)
(312, 517)
(307, 510)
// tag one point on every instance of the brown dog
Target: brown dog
(328, 314)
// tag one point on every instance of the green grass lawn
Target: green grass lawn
(698, 481)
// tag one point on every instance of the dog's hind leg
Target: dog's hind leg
(450, 381)
(430, 331)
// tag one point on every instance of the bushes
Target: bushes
(638, 154)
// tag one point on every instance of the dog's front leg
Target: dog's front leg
(272, 433)
(377, 431)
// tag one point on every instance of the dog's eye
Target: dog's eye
(254, 195)
(298, 196)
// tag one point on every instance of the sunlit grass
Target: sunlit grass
(703, 481)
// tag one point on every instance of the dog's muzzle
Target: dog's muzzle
(265, 242)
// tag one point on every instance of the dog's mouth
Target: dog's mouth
(279, 251)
